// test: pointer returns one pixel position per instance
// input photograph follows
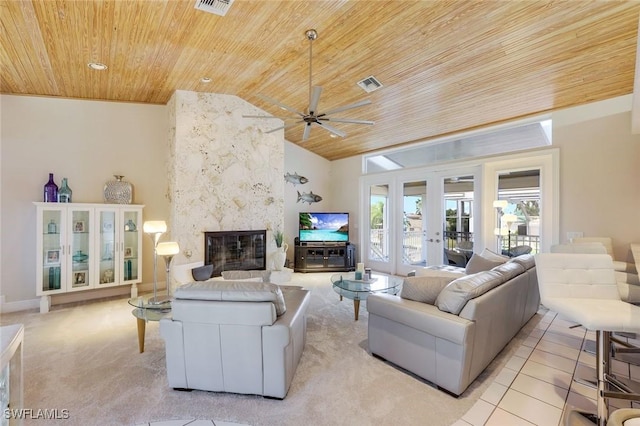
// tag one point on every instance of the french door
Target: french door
(413, 218)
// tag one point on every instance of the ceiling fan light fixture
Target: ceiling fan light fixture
(97, 66)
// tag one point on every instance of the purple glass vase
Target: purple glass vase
(51, 191)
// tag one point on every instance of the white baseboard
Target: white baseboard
(76, 296)
(21, 305)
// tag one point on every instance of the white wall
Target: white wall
(87, 142)
(599, 175)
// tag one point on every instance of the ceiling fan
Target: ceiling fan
(312, 115)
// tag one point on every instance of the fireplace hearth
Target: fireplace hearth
(235, 250)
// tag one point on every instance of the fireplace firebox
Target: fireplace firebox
(235, 250)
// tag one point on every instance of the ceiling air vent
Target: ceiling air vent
(217, 7)
(370, 84)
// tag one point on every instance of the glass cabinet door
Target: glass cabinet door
(107, 242)
(79, 246)
(131, 228)
(52, 228)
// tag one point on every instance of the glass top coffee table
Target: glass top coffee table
(144, 312)
(345, 284)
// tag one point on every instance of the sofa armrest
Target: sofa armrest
(421, 316)
(283, 343)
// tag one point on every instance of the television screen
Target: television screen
(324, 227)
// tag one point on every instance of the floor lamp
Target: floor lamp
(499, 205)
(509, 219)
(155, 228)
(167, 250)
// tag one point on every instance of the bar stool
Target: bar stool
(582, 288)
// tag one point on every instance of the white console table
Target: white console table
(11, 383)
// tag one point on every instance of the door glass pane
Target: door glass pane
(378, 223)
(458, 220)
(107, 247)
(414, 249)
(519, 222)
(80, 249)
(52, 247)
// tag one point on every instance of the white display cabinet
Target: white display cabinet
(87, 246)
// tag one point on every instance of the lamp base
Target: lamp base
(158, 300)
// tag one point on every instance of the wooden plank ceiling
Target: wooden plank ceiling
(446, 66)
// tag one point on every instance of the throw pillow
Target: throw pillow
(265, 275)
(425, 289)
(454, 296)
(488, 254)
(202, 273)
(479, 263)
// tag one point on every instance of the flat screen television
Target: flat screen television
(323, 227)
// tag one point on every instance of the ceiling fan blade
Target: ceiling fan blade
(314, 99)
(281, 105)
(346, 107)
(270, 116)
(346, 120)
(307, 131)
(286, 126)
(332, 129)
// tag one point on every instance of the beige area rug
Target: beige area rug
(84, 358)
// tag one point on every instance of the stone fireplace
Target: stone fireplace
(224, 173)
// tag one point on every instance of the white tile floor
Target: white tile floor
(536, 384)
(534, 387)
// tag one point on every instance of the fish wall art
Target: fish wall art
(308, 197)
(295, 179)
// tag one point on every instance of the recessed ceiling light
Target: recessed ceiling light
(205, 80)
(97, 66)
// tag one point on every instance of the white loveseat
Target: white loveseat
(451, 340)
(235, 336)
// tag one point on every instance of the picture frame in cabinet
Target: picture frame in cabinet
(78, 226)
(128, 252)
(107, 227)
(52, 257)
(79, 278)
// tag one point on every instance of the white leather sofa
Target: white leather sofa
(235, 336)
(450, 341)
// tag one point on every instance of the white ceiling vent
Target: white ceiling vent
(370, 84)
(217, 7)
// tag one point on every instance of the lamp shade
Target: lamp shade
(168, 248)
(500, 204)
(154, 227)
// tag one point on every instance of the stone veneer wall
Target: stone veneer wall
(224, 174)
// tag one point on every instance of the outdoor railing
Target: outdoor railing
(412, 242)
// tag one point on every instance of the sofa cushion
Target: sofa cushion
(528, 261)
(240, 275)
(425, 289)
(459, 291)
(479, 263)
(202, 273)
(237, 291)
(509, 270)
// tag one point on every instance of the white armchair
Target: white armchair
(233, 336)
